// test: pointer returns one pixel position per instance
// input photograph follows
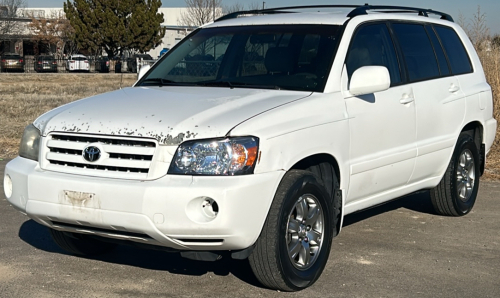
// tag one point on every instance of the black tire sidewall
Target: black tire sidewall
(465, 142)
(299, 279)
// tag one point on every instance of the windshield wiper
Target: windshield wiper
(161, 82)
(217, 84)
(237, 85)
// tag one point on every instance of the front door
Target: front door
(382, 125)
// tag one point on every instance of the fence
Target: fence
(32, 65)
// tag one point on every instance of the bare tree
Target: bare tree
(463, 22)
(200, 12)
(55, 32)
(226, 9)
(476, 28)
(479, 31)
(254, 6)
(10, 27)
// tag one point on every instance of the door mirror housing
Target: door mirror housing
(369, 79)
(144, 69)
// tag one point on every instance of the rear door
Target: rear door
(439, 100)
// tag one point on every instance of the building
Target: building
(173, 33)
(20, 39)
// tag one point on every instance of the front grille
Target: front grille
(102, 140)
(96, 167)
(120, 157)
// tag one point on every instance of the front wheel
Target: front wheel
(456, 194)
(295, 242)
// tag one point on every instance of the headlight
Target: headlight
(231, 156)
(30, 143)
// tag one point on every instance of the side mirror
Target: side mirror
(143, 70)
(369, 79)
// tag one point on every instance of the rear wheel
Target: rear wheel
(80, 244)
(456, 194)
(295, 242)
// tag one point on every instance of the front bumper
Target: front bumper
(166, 212)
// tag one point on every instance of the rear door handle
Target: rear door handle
(453, 88)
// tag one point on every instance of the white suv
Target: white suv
(258, 133)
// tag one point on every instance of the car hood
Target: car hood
(168, 114)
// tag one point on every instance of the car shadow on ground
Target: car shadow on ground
(419, 202)
(38, 236)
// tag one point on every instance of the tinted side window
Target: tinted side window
(372, 45)
(417, 50)
(459, 60)
(438, 49)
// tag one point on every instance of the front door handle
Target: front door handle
(406, 99)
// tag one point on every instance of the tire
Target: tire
(298, 194)
(456, 194)
(80, 244)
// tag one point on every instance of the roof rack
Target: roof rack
(362, 10)
(357, 10)
(278, 10)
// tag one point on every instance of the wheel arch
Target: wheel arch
(314, 160)
(475, 129)
(325, 166)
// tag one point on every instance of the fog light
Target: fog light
(210, 208)
(202, 209)
(7, 186)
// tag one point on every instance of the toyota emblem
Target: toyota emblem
(91, 153)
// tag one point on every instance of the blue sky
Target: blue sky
(453, 7)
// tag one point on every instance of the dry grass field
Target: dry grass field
(491, 65)
(23, 97)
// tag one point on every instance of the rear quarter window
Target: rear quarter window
(455, 50)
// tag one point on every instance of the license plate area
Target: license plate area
(80, 199)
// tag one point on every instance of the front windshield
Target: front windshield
(291, 57)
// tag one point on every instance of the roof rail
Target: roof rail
(362, 10)
(278, 10)
(357, 11)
